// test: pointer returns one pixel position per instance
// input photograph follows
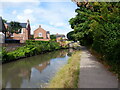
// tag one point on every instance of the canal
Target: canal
(34, 72)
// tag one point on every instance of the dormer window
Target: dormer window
(40, 35)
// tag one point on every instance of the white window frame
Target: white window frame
(40, 34)
(22, 31)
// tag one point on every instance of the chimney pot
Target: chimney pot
(39, 26)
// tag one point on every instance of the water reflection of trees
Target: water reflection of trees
(15, 72)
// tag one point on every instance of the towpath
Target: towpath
(93, 74)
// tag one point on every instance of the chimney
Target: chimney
(39, 26)
(28, 21)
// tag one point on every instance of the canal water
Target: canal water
(34, 72)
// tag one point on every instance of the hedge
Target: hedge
(30, 49)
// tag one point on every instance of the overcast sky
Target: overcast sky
(52, 15)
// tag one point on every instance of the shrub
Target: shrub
(39, 37)
(31, 48)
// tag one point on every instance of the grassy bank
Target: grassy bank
(67, 77)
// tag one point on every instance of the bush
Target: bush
(39, 37)
(31, 48)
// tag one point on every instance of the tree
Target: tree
(53, 37)
(14, 27)
(97, 24)
(70, 36)
(4, 21)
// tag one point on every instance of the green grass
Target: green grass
(68, 75)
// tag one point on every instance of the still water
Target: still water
(33, 72)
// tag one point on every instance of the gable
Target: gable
(40, 30)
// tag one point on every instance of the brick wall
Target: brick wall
(40, 30)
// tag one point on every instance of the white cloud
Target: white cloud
(35, 0)
(19, 1)
(52, 16)
(58, 24)
(24, 17)
(14, 12)
(27, 11)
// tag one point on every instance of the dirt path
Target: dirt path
(93, 74)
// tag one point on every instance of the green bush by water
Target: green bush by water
(30, 49)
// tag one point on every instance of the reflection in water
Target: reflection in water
(33, 72)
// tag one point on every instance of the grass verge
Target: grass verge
(68, 75)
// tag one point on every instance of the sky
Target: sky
(52, 15)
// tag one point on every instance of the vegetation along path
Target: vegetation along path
(93, 74)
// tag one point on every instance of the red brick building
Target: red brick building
(41, 34)
(25, 32)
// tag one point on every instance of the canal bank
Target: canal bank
(34, 72)
(68, 75)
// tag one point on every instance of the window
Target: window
(21, 31)
(40, 35)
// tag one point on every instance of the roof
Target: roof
(2, 26)
(48, 32)
(23, 25)
(59, 35)
(40, 29)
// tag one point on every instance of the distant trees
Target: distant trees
(53, 37)
(13, 27)
(70, 36)
(4, 21)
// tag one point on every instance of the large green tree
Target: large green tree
(98, 24)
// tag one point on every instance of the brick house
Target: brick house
(25, 32)
(60, 37)
(41, 34)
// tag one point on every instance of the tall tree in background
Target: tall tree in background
(53, 37)
(14, 27)
(70, 36)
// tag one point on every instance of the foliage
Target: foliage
(15, 27)
(70, 36)
(39, 37)
(97, 24)
(4, 53)
(4, 21)
(67, 77)
(52, 37)
(31, 48)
